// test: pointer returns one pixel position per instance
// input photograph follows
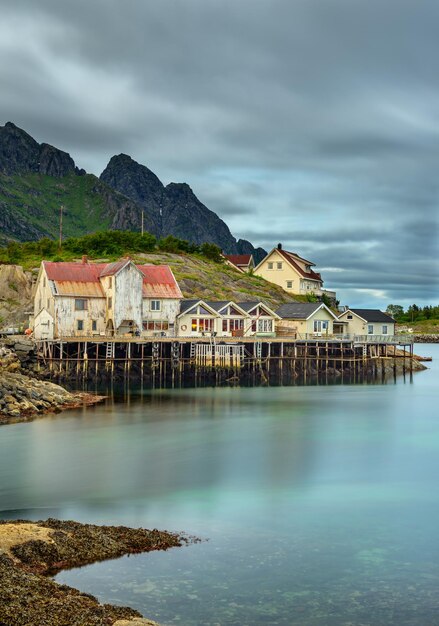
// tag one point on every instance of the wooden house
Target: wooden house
(292, 272)
(313, 319)
(366, 322)
(242, 262)
(86, 299)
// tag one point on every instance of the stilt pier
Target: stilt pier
(219, 358)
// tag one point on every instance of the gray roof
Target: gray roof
(185, 305)
(298, 310)
(248, 306)
(373, 315)
(216, 304)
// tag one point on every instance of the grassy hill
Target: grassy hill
(37, 198)
(200, 272)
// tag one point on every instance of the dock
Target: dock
(184, 357)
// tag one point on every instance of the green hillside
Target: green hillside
(35, 199)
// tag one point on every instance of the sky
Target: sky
(314, 123)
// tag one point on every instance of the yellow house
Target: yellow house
(306, 319)
(367, 322)
(291, 272)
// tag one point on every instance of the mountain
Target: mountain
(176, 208)
(37, 179)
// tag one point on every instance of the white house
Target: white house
(86, 299)
(366, 322)
(312, 319)
(261, 319)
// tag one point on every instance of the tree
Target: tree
(395, 310)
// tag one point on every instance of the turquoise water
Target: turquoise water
(317, 505)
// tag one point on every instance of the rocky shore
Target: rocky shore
(30, 551)
(23, 397)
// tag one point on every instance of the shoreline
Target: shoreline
(31, 552)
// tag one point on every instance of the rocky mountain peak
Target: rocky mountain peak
(20, 154)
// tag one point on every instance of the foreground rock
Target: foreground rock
(23, 398)
(29, 551)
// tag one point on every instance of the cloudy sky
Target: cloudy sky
(311, 122)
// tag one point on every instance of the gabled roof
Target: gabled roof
(301, 310)
(187, 305)
(83, 279)
(113, 268)
(75, 279)
(292, 258)
(239, 259)
(249, 306)
(370, 315)
(222, 304)
(159, 282)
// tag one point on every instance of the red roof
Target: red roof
(71, 278)
(289, 256)
(159, 281)
(239, 259)
(75, 272)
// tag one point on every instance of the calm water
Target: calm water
(318, 505)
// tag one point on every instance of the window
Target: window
(289, 284)
(94, 325)
(202, 325)
(80, 324)
(80, 305)
(384, 330)
(236, 324)
(370, 329)
(279, 265)
(110, 282)
(225, 326)
(321, 326)
(44, 281)
(48, 303)
(110, 303)
(155, 305)
(155, 325)
(349, 317)
(270, 265)
(254, 326)
(265, 326)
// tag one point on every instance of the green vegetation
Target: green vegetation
(110, 244)
(36, 199)
(420, 319)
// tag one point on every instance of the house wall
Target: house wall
(43, 325)
(66, 317)
(169, 308)
(184, 324)
(280, 276)
(127, 298)
(306, 327)
(356, 326)
(43, 298)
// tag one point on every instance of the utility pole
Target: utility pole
(142, 220)
(60, 225)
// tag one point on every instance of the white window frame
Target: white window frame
(370, 329)
(385, 329)
(269, 265)
(279, 265)
(289, 284)
(156, 305)
(265, 325)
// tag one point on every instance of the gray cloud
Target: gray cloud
(311, 122)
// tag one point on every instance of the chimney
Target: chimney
(279, 246)
(84, 259)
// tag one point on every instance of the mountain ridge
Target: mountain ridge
(36, 178)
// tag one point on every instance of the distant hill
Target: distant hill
(36, 179)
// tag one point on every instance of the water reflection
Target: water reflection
(319, 503)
